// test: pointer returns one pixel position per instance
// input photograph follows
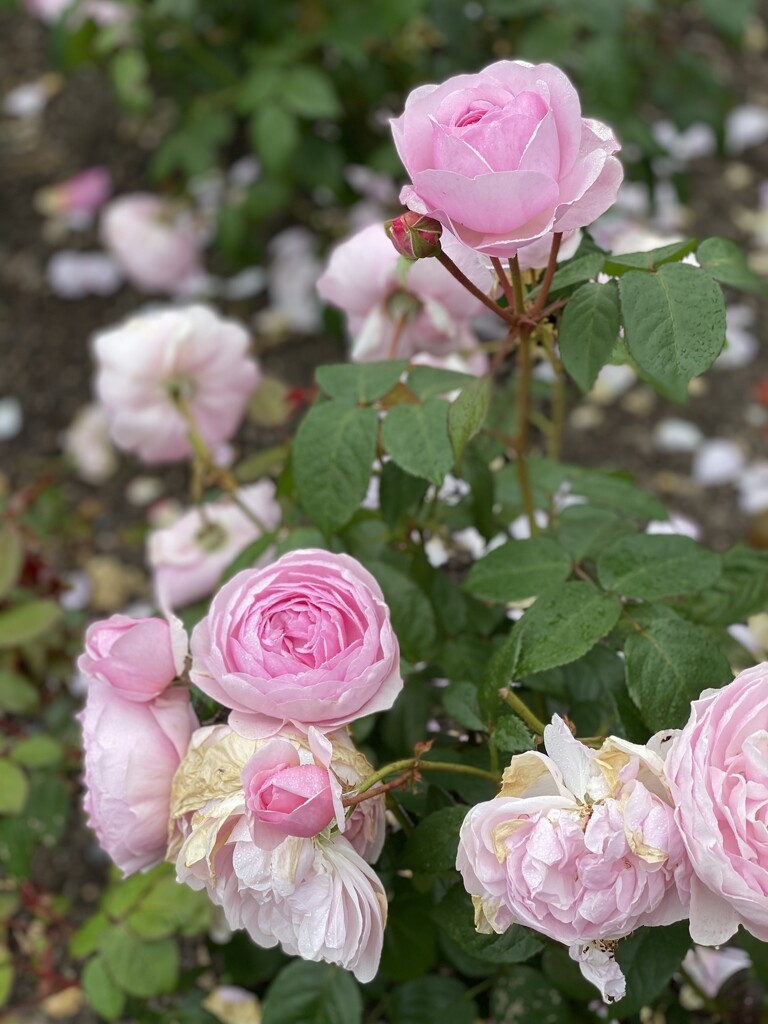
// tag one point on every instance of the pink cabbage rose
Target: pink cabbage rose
(581, 845)
(504, 156)
(191, 353)
(157, 243)
(315, 897)
(132, 750)
(306, 640)
(138, 658)
(188, 557)
(717, 769)
(363, 279)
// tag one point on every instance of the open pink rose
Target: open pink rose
(138, 658)
(132, 750)
(504, 156)
(718, 773)
(580, 845)
(393, 315)
(191, 353)
(306, 641)
(157, 243)
(188, 557)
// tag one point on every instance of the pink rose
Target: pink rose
(306, 640)
(157, 243)
(504, 156)
(717, 770)
(132, 750)
(192, 353)
(315, 897)
(188, 557)
(580, 845)
(138, 658)
(363, 279)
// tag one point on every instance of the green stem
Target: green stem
(523, 398)
(414, 764)
(555, 432)
(523, 711)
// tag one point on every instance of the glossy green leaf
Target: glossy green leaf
(360, 382)
(467, 415)
(318, 992)
(654, 566)
(648, 959)
(455, 914)
(519, 569)
(588, 331)
(431, 849)
(416, 436)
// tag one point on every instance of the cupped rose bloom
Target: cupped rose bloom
(363, 278)
(190, 354)
(188, 557)
(314, 896)
(307, 640)
(157, 243)
(138, 658)
(717, 770)
(581, 845)
(132, 750)
(504, 156)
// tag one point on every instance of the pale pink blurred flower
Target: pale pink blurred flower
(103, 12)
(504, 156)
(157, 243)
(80, 196)
(364, 279)
(709, 969)
(188, 556)
(307, 640)
(717, 770)
(190, 353)
(87, 444)
(131, 751)
(581, 845)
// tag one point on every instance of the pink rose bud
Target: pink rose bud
(285, 797)
(415, 236)
(138, 658)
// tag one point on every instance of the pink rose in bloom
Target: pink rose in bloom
(362, 278)
(188, 557)
(132, 749)
(717, 770)
(314, 896)
(157, 243)
(191, 353)
(138, 658)
(581, 845)
(504, 156)
(306, 640)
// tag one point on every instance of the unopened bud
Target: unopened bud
(414, 235)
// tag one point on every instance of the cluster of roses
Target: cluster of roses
(253, 811)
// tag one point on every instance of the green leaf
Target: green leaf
(399, 493)
(467, 415)
(410, 938)
(14, 788)
(141, 968)
(576, 271)
(104, 996)
(519, 569)
(674, 323)
(727, 262)
(431, 849)
(319, 993)
(25, 622)
(11, 557)
(667, 666)
(455, 915)
(526, 997)
(607, 490)
(129, 71)
(332, 456)
(6, 976)
(511, 735)
(275, 136)
(360, 382)
(249, 556)
(588, 331)
(648, 959)
(653, 566)
(310, 92)
(416, 436)
(583, 531)
(37, 751)
(17, 694)
(266, 462)
(741, 590)
(431, 999)
(461, 702)
(428, 381)
(413, 619)
(87, 937)
(562, 625)
(650, 260)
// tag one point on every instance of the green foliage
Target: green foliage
(526, 997)
(648, 959)
(588, 331)
(519, 569)
(317, 992)
(416, 436)
(432, 997)
(656, 566)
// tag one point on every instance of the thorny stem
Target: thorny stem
(523, 397)
(522, 710)
(507, 315)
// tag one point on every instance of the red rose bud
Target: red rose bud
(414, 235)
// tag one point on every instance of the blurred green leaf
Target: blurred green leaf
(140, 968)
(467, 415)
(318, 992)
(275, 136)
(588, 331)
(432, 998)
(11, 557)
(101, 991)
(14, 788)
(25, 622)
(726, 261)
(37, 751)
(310, 92)
(525, 996)
(17, 694)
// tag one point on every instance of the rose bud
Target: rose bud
(414, 235)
